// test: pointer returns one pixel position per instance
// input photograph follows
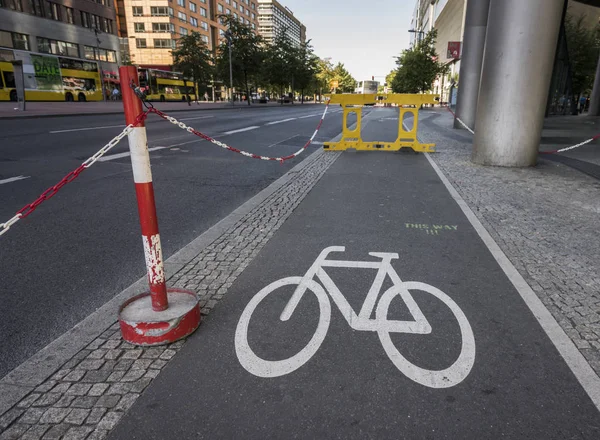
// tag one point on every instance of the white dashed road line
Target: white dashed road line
(279, 122)
(239, 130)
(13, 179)
(86, 128)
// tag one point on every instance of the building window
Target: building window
(89, 52)
(139, 27)
(234, 5)
(138, 11)
(193, 7)
(55, 47)
(181, 3)
(253, 16)
(253, 26)
(203, 12)
(221, 33)
(228, 11)
(182, 16)
(36, 7)
(159, 11)
(252, 5)
(183, 31)
(194, 21)
(70, 16)
(162, 43)
(228, 2)
(14, 40)
(235, 15)
(85, 19)
(93, 53)
(204, 25)
(140, 43)
(205, 39)
(241, 9)
(161, 27)
(220, 8)
(171, 12)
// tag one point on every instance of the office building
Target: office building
(274, 18)
(150, 28)
(76, 28)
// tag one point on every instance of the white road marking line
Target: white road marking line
(13, 179)
(253, 127)
(199, 117)
(580, 367)
(318, 143)
(279, 122)
(84, 129)
(309, 116)
(125, 154)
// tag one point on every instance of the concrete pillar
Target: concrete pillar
(594, 109)
(517, 68)
(470, 61)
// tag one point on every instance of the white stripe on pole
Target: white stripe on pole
(140, 159)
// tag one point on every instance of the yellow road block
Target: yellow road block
(352, 103)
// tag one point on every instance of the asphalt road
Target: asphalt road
(83, 246)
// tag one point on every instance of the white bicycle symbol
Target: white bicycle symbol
(446, 378)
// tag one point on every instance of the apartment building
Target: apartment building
(77, 28)
(150, 28)
(274, 18)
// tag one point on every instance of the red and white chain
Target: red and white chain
(189, 129)
(51, 192)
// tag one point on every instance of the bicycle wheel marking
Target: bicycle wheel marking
(443, 378)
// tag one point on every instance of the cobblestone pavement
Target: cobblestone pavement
(89, 395)
(545, 219)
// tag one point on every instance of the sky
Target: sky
(365, 35)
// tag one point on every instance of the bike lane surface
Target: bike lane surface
(518, 386)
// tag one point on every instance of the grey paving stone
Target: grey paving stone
(46, 386)
(14, 432)
(96, 415)
(64, 401)
(98, 389)
(127, 401)
(110, 419)
(10, 416)
(54, 415)
(35, 432)
(96, 376)
(48, 399)
(107, 401)
(32, 415)
(61, 388)
(84, 402)
(98, 434)
(78, 389)
(78, 433)
(74, 376)
(116, 376)
(111, 344)
(57, 431)
(28, 400)
(119, 388)
(77, 416)
(90, 364)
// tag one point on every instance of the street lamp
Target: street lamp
(96, 32)
(228, 35)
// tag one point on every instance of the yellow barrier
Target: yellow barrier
(406, 138)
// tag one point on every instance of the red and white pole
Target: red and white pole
(146, 319)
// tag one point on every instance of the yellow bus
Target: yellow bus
(50, 77)
(164, 85)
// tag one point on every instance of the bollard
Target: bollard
(161, 315)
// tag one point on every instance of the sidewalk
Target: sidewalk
(522, 375)
(50, 109)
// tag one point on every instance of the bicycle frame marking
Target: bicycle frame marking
(362, 321)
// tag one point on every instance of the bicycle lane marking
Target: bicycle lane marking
(518, 386)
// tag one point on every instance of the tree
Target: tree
(582, 47)
(280, 63)
(247, 55)
(193, 58)
(417, 67)
(323, 76)
(305, 68)
(346, 83)
(125, 58)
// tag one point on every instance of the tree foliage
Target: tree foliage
(582, 46)
(346, 83)
(193, 58)
(417, 67)
(247, 55)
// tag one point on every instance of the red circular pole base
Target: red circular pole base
(140, 325)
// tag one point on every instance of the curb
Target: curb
(45, 115)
